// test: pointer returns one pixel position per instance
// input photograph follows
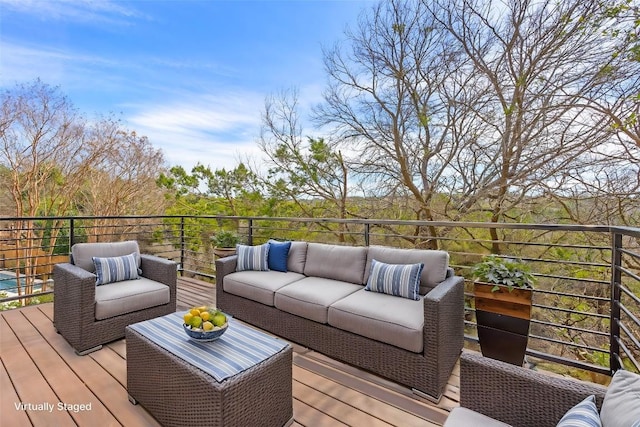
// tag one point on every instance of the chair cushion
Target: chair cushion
(115, 299)
(621, 404)
(297, 257)
(343, 263)
(395, 321)
(278, 255)
(259, 286)
(435, 263)
(584, 414)
(82, 253)
(115, 269)
(311, 297)
(254, 258)
(401, 280)
(464, 417)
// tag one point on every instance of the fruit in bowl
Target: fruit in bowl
(205, 323)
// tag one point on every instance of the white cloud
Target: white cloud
(103, 11)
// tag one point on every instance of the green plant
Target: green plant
(503, 272)
(225, 239)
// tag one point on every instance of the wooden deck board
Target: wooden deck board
(38, 366)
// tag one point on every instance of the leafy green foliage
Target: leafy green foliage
(503, 272)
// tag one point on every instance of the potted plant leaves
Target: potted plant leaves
(224, 243)
(502, 291)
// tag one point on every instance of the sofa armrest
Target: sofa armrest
(161, 270)
(519, 396)
(74, 294)
(444, 326)
(224, 266)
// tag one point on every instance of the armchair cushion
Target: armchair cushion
(621, 404)
(115, 269)
(254, 258)
(115, 299)
(584, 414)
(82, 253)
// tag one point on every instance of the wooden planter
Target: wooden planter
(503, 320)
(224, 252)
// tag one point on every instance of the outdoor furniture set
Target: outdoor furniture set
(345, 302)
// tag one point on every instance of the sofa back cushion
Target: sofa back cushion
(435, 263)
(297, 257)
(344, 263)
(82, 253)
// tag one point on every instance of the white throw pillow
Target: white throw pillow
(621, 405)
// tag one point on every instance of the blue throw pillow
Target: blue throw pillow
(401, 280)
(115, 269)
(278, 255)
(584, 414)
(252, 257)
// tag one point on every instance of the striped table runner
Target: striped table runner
(240, 348)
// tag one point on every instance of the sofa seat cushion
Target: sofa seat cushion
(311, 297)
(259, 286)
(385, 318)
(115, 299)
(463, 417)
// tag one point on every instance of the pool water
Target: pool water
(8, 283)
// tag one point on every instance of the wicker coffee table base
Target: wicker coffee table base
(177, 393)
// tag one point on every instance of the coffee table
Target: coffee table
(174, 378)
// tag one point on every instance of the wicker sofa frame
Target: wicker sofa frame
(74, 304)
(518, 396)
(426, 373)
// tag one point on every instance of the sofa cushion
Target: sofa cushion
(400, 280)
(584, 414)
(621, 404)
(278, 255)
(395, 321)
(464, 417)
(435, 263)
(297, 257)
(82, 253)
(311, 297)
(115, 269)
(115, 299)
(259, 286)
(343, 263)
(254, 258)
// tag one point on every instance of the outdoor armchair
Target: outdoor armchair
(92, 308)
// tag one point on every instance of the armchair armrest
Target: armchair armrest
(444, 326)
(74, 291)
(224, 266)
(161, 270)
(519, 396)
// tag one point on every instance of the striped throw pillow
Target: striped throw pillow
(116, 269)
(584, 414)
(401, 280)
(252, 257)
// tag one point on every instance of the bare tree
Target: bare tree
(303, 169)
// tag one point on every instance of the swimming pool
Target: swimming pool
(8, 283)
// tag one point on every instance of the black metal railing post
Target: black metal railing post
(72, 234)
(616, 278)
(250, 232)
(366, 233)
(182, 244)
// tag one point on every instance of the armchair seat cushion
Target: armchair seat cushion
(115, 299)
(259, 286)
(390, 319)
(463, 417)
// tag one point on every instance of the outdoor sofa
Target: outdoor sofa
(316, 297)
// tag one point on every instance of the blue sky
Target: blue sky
(192, 75)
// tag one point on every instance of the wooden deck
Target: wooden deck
(41, 371)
